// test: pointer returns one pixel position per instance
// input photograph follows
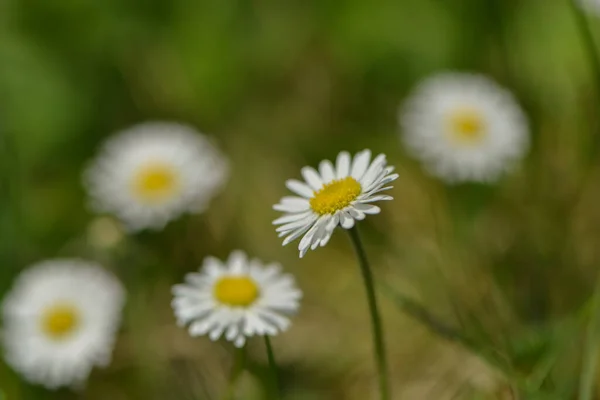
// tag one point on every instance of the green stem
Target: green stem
(589, 366)
(378, 342)
(272, 366)
(238, 368)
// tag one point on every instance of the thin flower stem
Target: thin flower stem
(376, 325)
(589, 368)
(238, 368)
(272, 367)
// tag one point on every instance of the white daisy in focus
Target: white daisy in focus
(464, 127)
(152, 173)
(60, 321)
(237, 299)
(335, 195)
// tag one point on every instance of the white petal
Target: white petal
(373, 199)
(327, 171)
(307, 239)
(319, 230)
(317, 238)
(367, 208)
(292, 205)
(303, 252)
(360, 164)
(380, 181)
(240, 341)
(299, 188)
(291, 218)
(356, 214)
(237, 260)
(373, 171)
(389, 179)
(346, 220)
(297, 224)
(201, 327)
(312, 178)
(216, 333)
(296, 234)
(232, 332)
(333, 222)
(326, 238)
(343, 164)
(279, 321)
(376, 189)
(193, 313)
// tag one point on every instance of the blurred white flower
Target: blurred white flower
(332, 196)
(152, 173)
(60, 320)
(464, 127)
(237, 299)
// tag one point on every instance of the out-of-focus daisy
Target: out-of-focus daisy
(152, 173)
(237, 299)
(60, 321)
(464, 127)
(335, 195)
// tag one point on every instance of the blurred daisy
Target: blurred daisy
(60, 320)
(335, 195)
(152, 173)
(237, 299)
(464, 127)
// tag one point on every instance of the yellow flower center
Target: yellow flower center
(467, 126)
(60, 320)
(236, 291)
(335, 196)
(155, 182)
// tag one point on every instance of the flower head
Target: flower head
(60, 320)
(152, 173)
(464, 127)
(335, 195)
(236, 299)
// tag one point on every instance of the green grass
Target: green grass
(281, 85)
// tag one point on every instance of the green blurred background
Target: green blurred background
(280, 85)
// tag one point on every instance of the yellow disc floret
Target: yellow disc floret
(155, 182)
(60, 320)
(236, 291)
(467, 126)
(335, 196)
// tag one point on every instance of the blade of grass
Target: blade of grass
(589, 366)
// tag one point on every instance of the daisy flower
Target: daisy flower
(464, 127)
(152, 173)
(334, 195)
(236, 299)
(60, 321)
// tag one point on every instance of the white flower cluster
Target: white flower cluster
(61, 316)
